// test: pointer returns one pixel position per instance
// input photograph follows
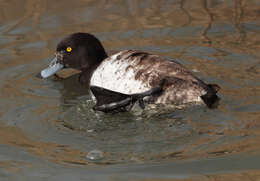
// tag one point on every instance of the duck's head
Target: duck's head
(81, 51)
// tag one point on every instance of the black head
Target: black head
(80, 51)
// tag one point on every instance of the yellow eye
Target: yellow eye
(69, 49)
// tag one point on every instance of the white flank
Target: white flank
(111, 74)
(119, 71)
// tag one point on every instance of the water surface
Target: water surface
(48, 125)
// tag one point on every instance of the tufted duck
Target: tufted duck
(130, 76)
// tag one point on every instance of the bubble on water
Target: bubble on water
(95, 155)
(90, 130)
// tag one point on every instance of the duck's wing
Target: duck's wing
(111, 101)
(105, 96)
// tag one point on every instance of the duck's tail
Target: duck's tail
(211, 99)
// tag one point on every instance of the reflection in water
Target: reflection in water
(33, 9)
(239, 6)
(145, 17)
(210, 20)
(50, 151)
(182, 3)
(72, 89)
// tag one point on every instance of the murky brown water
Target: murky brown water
(47, 127)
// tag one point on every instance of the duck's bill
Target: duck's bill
(53, 67)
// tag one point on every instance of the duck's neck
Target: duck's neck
(86, 72)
